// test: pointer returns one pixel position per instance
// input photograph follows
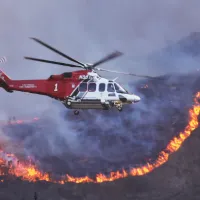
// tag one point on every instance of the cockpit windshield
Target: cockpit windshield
(120, 89)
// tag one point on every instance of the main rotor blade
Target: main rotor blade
(107, 58)
(52, 62)
(100, 69)
(58, 52)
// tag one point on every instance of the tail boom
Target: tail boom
(54, 88)
(41, 87)
(30, 86)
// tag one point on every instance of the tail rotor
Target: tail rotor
(3, 59)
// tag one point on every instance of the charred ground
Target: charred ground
(177, 179)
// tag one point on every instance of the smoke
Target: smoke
(88, 30)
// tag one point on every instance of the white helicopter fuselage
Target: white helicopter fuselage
(95, 92)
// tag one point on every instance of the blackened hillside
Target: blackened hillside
(109, 140)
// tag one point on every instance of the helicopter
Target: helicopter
(77, 90)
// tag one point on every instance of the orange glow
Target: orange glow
(30, 172)
(145, 86)
(11, 122)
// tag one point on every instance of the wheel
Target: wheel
(76, 112)
(119, 108)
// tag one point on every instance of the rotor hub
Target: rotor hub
(88, 66)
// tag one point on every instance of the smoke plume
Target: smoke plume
(88, 30)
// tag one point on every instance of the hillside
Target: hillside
(177, 179)
(106, 141)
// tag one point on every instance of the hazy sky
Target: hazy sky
(86, 30)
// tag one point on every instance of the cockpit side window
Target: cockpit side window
(102, 87)
(83, 87)
(92, 87)
(110, 87)
(119, 89)
(116, 87)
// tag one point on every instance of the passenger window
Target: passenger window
(83, 87)
(102, 87)
(92, 87)
(110, 87)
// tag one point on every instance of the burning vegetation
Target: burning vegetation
(27, 170)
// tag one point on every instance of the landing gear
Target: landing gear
(119, 108)
(118, 105)
(76, 112)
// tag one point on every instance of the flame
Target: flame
(30, 172)
(12, 122)
(145, 86)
